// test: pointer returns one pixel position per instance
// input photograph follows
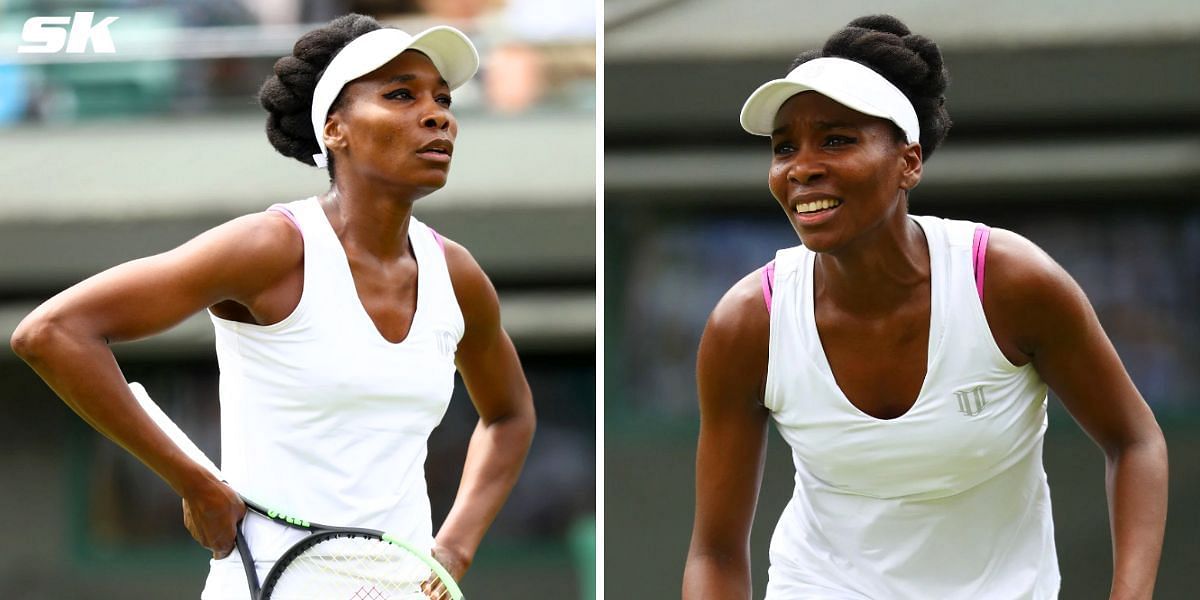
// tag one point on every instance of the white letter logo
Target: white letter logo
(971, 402)
(51, 33)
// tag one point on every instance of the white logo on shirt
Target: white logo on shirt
(971, 402)
(446, 343)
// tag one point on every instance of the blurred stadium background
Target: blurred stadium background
(1077, 125)
(111, 157)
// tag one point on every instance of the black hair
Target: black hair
(288, 95)
(912, 63)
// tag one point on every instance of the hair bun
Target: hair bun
(884, 23)
(287, 96)
(929, 52)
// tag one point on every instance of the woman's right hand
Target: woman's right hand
(212, 516)
(252, 266)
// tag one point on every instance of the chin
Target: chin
(432, 178)
(423, 184)
(425, 188)
(435, 183)
(818, 242)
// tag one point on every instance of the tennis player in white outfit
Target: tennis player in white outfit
(340, 320)
(905, 360)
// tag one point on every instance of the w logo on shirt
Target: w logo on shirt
(972, 401)
(447, 344)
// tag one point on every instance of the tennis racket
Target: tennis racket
(331, 563)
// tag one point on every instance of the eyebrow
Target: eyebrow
(407, 77)
(820, 126)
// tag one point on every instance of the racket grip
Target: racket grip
(247, 563)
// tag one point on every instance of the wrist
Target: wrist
(1123, 591)
(455, 558)
(193, 480)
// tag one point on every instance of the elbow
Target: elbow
(524, 424)
(35, 336)
(514, 425)
(1156, 446)
(528, 423)
(1148, 443)
(29, 339)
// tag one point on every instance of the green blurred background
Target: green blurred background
(1077, 125)
(105, 158)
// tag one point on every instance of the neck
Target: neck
(370, 217)
(877, 272)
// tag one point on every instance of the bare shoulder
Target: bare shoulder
(1018, 265)
(252, 266)
(1027, 295)
(461, 262)
(741, 315)
(267, 239)
(732, 360)
(250, 253)
(474, 291)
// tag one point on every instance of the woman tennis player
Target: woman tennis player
(906, 361)
(340, 319)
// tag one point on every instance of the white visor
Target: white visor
(449, 50)
(844, 81)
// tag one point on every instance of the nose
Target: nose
(437, 118)
(805, 169)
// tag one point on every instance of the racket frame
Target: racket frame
(193, 451)
(317, 533)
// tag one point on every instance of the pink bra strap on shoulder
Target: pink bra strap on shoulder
(438, 237)
(768, 282)
(283, 210)
(978, 256)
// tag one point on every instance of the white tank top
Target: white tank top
(321, 417)
(947, 501)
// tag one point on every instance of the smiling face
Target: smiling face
(836, 172)
(394, 125)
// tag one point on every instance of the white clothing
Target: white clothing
(321, 416)
(947, 501)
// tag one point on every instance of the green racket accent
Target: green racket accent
(274, 514)
(432, 563)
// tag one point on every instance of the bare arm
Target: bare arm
(730, 375)
(66, 340)
(496, 383)
(1045, 318)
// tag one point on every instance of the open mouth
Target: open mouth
(437, 149)
(817, 206)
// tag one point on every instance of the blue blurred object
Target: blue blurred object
(14, 93)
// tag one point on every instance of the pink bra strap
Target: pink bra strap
(441, 242)
(979, 254)
(283, 210)
(768, 282)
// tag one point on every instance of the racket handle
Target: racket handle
(172, 430)
(247, 563)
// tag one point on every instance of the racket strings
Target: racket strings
(355, 568)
